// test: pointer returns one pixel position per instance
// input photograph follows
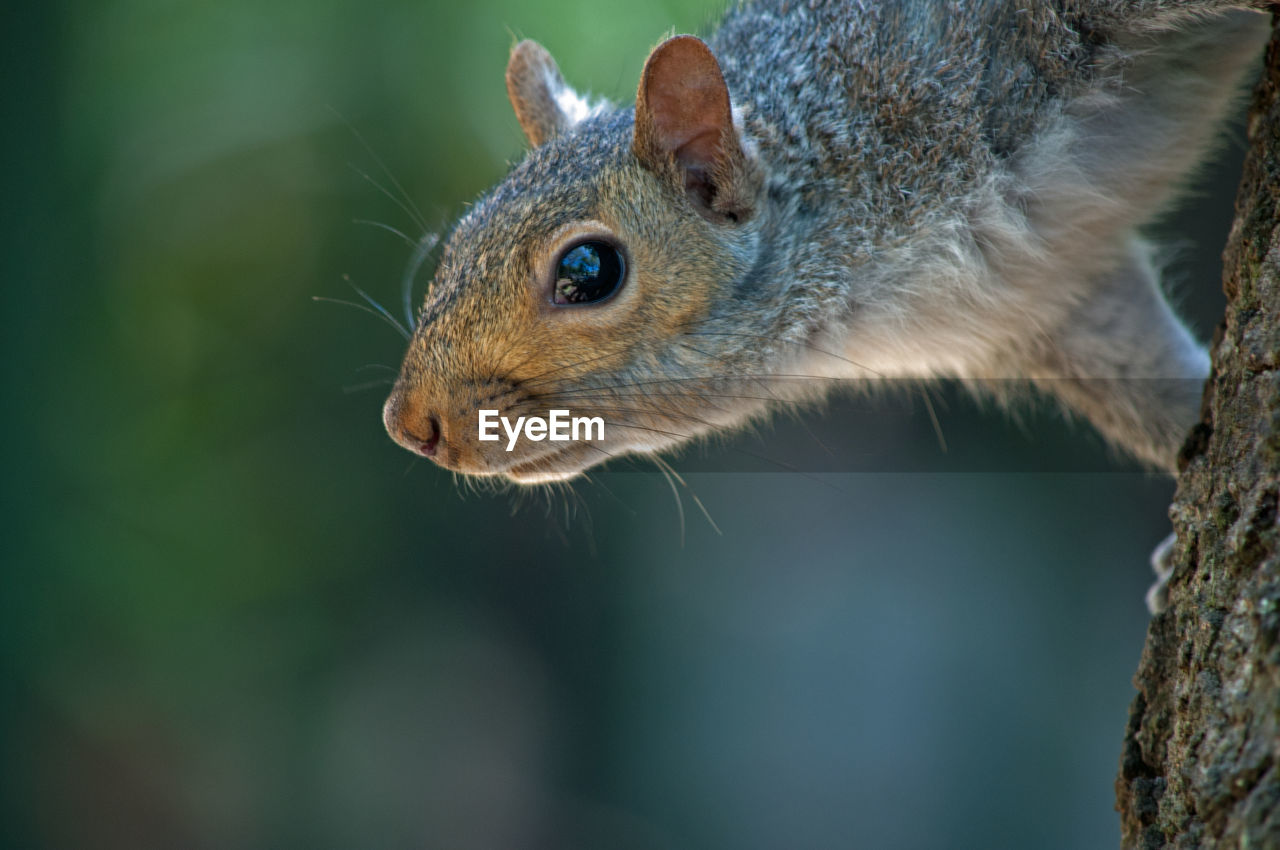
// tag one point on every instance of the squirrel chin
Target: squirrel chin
(541, 476)
(552, 468)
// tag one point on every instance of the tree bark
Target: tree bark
(1201, 761)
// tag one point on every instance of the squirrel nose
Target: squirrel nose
(424, 439)
(425, 445)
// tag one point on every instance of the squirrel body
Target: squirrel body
(827, 191)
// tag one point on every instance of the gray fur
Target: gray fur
(988, 192)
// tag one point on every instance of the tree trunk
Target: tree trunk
(1201, 759)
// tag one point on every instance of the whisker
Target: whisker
(381, 226)
(670, 414)
(693, 495)
(362, 307)
(382, 310)
(805, 425)
(579, 508)
(807, 345)
(933, 418)
(707, 379)
(542, 376)
(412, 210)
(773, 397)
(367, 385)
(581, 395)
(421, 249)
(786, 467)
(415, 217)
(675, 494)
(642, 412)
(596, 482)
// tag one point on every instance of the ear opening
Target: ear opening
(544, 103)
(684, 129)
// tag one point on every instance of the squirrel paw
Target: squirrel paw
(1162, 564)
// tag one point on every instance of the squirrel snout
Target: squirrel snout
(419, 434)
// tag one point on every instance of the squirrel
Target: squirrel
(827, 190)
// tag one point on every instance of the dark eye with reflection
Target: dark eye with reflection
(588, 272)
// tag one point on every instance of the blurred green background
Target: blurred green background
(236, 615)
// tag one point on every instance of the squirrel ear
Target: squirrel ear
(683, 116)
(545, 105)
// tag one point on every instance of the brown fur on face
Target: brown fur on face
(491, 336)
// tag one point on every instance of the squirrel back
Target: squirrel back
(827, 191)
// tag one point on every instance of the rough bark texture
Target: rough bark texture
(1201, 759)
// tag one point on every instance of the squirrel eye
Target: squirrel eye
(588, 272)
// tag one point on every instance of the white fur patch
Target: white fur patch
(573, 106)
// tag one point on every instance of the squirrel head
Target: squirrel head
(607, 275)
